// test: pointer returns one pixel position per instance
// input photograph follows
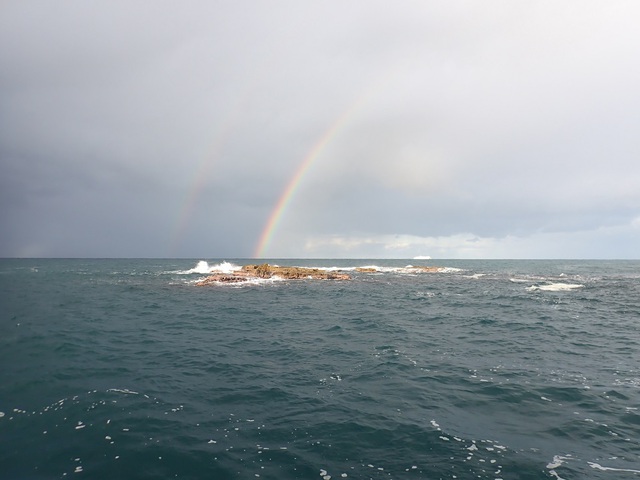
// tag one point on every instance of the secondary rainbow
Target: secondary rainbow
(201, 177)
(200, 180)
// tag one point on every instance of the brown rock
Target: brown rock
(221, 278)
(428, 269)
(268, 271)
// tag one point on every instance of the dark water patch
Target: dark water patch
(385, 376)
(631, 418)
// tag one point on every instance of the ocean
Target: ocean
(125, 369)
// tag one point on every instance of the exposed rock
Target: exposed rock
(268, 271)
(221, 278)
(428, 269)
(265, 271)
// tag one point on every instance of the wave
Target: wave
(451, 270)
(246, 282)
(203, 267)
(475, 276)
(597, 466)
(412, 269)
(556, 287)
(415, 269)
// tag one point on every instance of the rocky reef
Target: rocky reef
(427, 269)
(265, 270)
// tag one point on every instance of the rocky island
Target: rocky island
(265, 270)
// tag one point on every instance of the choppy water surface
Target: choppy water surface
(488, 369)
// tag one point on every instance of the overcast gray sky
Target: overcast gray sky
(455, 129)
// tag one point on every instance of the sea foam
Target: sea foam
(203, 267)
(556, 287)
(597, 466)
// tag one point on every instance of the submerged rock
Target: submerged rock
(268, 271)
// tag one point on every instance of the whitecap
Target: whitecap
(475, 276)
(330, 269)
(557, 461)
(203, 267)
(249, 281)
(224, 267)
(428, 269)
(122, 390)
(556, 287)
(597, 466)
(451, 270)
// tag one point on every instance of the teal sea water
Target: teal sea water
(485, 370)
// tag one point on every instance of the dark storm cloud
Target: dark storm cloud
(155, 129)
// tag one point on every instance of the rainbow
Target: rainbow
(200, 180)
(207, 163)
(304, 167)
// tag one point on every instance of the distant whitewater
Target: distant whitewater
(203, 267)
(479, 369)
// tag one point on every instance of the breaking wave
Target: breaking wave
(412, 269)
(556, 287)
(203, 267)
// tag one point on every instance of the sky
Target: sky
(335, 129)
